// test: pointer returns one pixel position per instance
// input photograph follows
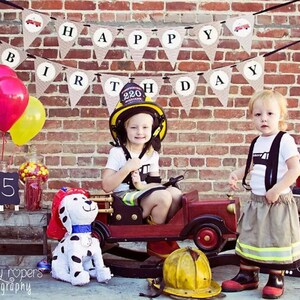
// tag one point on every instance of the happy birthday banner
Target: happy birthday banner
(137, 39)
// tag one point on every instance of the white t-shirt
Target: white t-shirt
(287, 149)
(116, 160)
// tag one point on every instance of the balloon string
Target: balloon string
(3, 142)
(11, 157)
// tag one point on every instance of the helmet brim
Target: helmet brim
(207, 292)
(123, 113)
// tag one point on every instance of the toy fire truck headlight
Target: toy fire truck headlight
(231, 208)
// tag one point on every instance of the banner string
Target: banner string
(275, 7)
(273, 51)
(250, 58)
(187, 27)
(201, 73)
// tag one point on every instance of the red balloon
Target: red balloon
(14, 98)
(7, 71)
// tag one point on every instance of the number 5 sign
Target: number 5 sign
(9, 188)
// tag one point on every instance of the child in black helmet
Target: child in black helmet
(132, 170)
(269, 234)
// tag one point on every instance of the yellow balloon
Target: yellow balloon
(30, 123)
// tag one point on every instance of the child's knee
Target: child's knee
(176, 193)
(166, 198)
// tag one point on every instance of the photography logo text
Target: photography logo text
(17, 281)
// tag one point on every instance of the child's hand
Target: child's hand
(136, 180)
(272, 196)
(133, 164)
(135, 175)
(233, 179)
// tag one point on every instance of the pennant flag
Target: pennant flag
(68, 33)
(171, 40)
(112, 86)
(102, 38)
(11, 56)
(219, 80)
(151, 86)
(208, 36)
(253, 71)
(242, 29)
(78, 82)
(137, 40)
(33, 24)
(45, 73)
(185, 86)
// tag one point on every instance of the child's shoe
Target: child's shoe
(275, 285)
(161, 249)
(246, 279)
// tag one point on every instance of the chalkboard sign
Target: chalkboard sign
(9, 188)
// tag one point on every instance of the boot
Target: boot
(246, 279)
(160, 249)
(275, 285)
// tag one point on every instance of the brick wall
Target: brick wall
(209, 142)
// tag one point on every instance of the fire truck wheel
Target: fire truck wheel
(208, 237)
(97, 233)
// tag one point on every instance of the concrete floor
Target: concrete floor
(22, 283)
(30, 286)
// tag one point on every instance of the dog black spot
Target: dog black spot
(93, 263)
(54, 257)
(75, 198)
(89, 253)
(62, 249)
(76, 273)
(76, 259)
(74, 238)
(62, 241)
(65, 218)
(61, 211)
(91, 269)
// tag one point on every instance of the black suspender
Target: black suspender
(128, 178)
(248, 163)
(272, 162)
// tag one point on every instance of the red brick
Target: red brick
(286, 8)
(78, 5)
(62, 136)
(147, 5)
(46, 5)
(283, 79)
(114, 5)
(68, 161)
(180, 6)
(273, 33)
(211, 150)
(194, 138)
(181, 162)
(213, 162)
(186, 150)
(197, 162)
(107, 17)
(247, 7)
(214, 6)
(289, 68)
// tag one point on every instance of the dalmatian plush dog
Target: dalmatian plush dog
(78, 256)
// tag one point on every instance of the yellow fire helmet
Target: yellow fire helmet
(187, 273)
(133, 101)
